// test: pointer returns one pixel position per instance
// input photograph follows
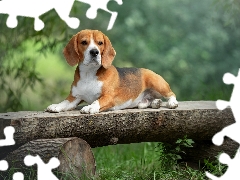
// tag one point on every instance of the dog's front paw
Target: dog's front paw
(55, 108)
(172, 103)
(63, 106)
(91, 109)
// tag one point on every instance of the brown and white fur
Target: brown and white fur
(105, 87)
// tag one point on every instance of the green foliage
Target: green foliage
(18, 68)
(231, 11)
(185, 41)
(16, 76)
(140, 162)
(169, 154)
(190, 43)
(215, 167)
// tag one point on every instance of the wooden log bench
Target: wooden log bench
(199, 120)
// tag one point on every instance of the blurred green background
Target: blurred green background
(190, 43)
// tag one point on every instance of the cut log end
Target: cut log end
(75, 155)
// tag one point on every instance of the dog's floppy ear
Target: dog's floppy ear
(70, 51)
(108, 53)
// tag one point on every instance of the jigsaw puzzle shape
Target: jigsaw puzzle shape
(231, 131)
(18, 176)
(101, 4)
(44, 171)
(36, 8)
(8, 132)
(8, 141)
(3, 165)
(232, 172)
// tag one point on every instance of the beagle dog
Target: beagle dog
(105, 87)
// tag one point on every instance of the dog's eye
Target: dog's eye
(100, 43)
(84, 42)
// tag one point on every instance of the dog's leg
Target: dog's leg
(102, 104)
(68, 104)
(144, 104)
(156, 82)
(92, 108)
(172, 102)
(151, 98)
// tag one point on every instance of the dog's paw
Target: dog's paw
(172, 102)
(156, 103)
(53, 108)
(91, 109)
(143, 104)
(63, 106)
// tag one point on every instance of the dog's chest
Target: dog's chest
(88, 88)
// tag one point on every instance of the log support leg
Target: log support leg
(75, 156)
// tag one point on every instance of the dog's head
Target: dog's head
(90, 47)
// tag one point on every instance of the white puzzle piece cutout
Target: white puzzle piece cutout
(101, 4)
(232, 131)
(18, 176)
(8, 141)
(8, 132)
(232, 172)
(3, 165)
(36, 8)
(44, 171)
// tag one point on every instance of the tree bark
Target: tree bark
(199, 120)
(207, 150)
(75, 155)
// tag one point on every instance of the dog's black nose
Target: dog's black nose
(94, 52)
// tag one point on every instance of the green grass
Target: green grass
(150, 161)
(125, 161)
(140, 162)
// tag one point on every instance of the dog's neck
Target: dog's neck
(88, 70)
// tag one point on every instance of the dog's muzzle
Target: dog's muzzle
(94, 57)
(94, 52)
